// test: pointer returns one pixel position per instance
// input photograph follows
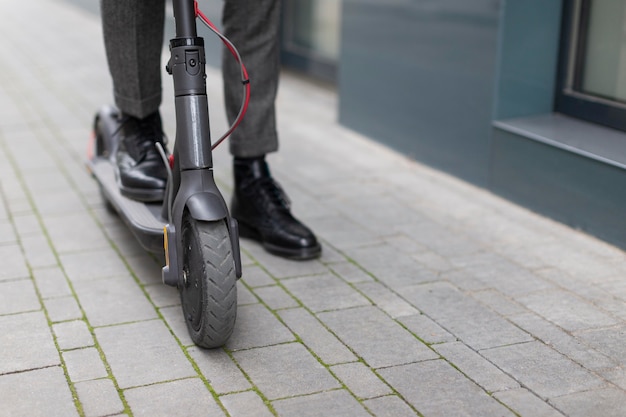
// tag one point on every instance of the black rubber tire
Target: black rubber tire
(208, 291)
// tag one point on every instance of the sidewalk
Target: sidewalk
(432, 297)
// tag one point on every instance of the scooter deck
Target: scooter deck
(143, 219)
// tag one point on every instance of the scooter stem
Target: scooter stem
(185, 16)
(193, 186)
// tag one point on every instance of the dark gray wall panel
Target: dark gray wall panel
(529, 50)
(419, 76)
(570, 188)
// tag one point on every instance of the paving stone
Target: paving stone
(433, 261)
(245, 296)
(220, 371)
(616, 376)
(573, 348)
(7, 235)
(26, 343)
(256, 327)
(499, 303)
(498, 273)
(85, 266)
(475, 367)
(63, 309)
(425, 329)
(195, 400)
(283, 268)
(464, 281)
(389, 406)
(254, 277)
(18, 296)
(567, 311)
(525, 403)
(542, 370)
(615, 287)
(58, 202)
(606, 301)
(147, 269)
(576, 262)
(450, 308)
(376, 338)
(340, 231)
(74, 233)
(387, 300)
(336, 403)
(441, 240)
(72, 335)
(316, 337)
(163, 295)
(432, 396)
(360, 380)
(47, 181)
(401, 272)
(324, 292)
(113, 301)
(99, 398)
(174, 318)
(285, 371)
(384, 210)
(330, 255)
(123, 240)
(245, 404)
(38, 393)
(351, 272)
(13, 263)
(143, 353)
(20, 206)
(517, 254)
(610, 341)
(51, 282)
(276, 298)
(38, 252)
(608, 402)
(84, 364)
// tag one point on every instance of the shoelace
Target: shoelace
(272, 194)
(148, 132)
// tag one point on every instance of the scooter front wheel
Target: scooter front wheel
(208, 289)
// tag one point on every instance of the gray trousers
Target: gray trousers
(133, 39)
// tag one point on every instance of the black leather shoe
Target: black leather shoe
(262, 211)
(142, 174)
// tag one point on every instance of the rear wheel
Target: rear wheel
(208, 289)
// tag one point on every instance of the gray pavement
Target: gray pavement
(432, 297)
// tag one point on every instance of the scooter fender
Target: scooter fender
(203, 206)
(207, 206)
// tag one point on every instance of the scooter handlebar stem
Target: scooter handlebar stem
(185, 16)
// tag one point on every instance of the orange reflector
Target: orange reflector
(166, 247)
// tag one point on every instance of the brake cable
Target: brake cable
(244, 73)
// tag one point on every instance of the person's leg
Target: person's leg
(133, 39)
(259, 204)
(252, 26)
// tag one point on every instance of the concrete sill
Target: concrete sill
(583, 138)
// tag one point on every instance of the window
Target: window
(592, 83)
(310, 40)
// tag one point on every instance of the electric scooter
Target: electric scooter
(192, 226)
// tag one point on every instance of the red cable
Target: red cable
(245, 81)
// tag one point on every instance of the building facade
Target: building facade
(526, 98)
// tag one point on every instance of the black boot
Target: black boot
(262, 210)
(142, 174)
